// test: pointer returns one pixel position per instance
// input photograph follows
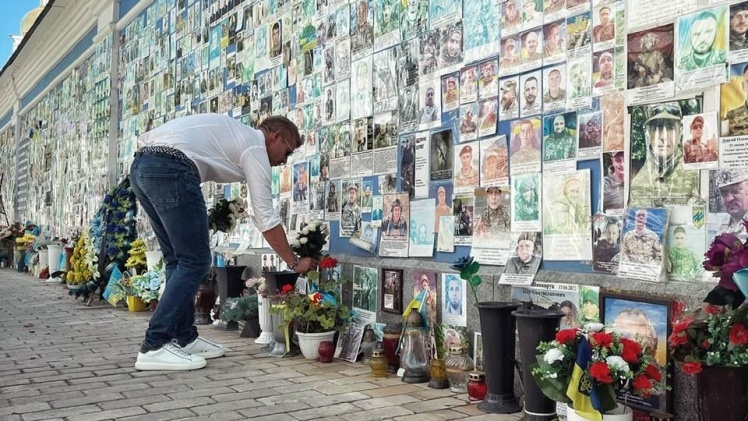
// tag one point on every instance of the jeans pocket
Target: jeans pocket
(162, 190)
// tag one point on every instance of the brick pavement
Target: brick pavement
(60, 360)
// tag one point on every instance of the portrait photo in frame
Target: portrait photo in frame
(392, 290)
(646, 320)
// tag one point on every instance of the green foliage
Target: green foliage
(321, 311)
(235, 309)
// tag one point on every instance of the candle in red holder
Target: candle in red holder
(326, 352)
(476, 386)
(390, 343)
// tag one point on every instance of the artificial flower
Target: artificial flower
(631, 350)
(676, 339)
(617, 363)
(303, 240)
(601, 372)
(738, 334)
(566, 335)
(653, 372)
(315, 298)
(641, 382)
(691, 368)
(287, 288)
(594, 327)
(601, 339)
(328, 262)
(712, 309)
(553, 355)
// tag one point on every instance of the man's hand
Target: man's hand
(306, 264)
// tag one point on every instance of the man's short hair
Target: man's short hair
(276, 25)
(706, 15)
(279, 123)
(531, 79)
(604, 8)
(698, 119)
(679, 230)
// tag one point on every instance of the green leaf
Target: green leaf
(473, 268)
(475, 280)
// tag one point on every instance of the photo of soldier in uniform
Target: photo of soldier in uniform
(469, 121)
(466, 167)
(362, 27)
(509, 102)
(642, 251)
(700, 148)
(589, 130)
(738, 27)
(650, 57)
(559, 140)
(396, 216)
(606, 243)
(702, 40)
(441, 155)
(525, 144)
(734, 102)
(365, 291)
(495, 217)
(614, 179)
(494, 167)
(350, 213)
(728, 202)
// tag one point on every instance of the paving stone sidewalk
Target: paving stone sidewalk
(60, 360)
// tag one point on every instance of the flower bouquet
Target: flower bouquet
(587, 368)
(257, 285)
(727, 258)
(225, 215)
(310, 240)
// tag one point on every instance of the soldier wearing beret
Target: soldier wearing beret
(468, 175)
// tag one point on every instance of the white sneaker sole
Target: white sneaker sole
(157, 366)
(211, 354)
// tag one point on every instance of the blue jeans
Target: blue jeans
(169, 192)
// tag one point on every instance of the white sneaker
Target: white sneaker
(204, 348)
(169, 357)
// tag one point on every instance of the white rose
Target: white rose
(233, 208)
(296, 243)
(313, 224)
(553, 355)
(594, 327)
(305, 231)
(304, 240)
(617, 363)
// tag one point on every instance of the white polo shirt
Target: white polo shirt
(224, 151)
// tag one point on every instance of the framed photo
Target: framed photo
(646, 320)
(392, 290)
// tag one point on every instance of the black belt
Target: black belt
(167, 152)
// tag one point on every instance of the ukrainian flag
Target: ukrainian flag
(581, 390)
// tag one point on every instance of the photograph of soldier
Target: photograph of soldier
(488, 117)
(729, 194)
(531, 100)
(301, 182)
(495, 218)
(407, 163)
(510, 60)
(567, 204)
(590, 130)
(602, 70)
(682, 263)
(494, 161)
(453, 287)
(532, 14)
(560, 139)
(350, 214)
(554, 81)
(466, 177)
(650, 57)
(385, 129)
(642, 237)
(511, 18)
(700, 145)
(452, 42)
(734, 102)
(606, 246)
(462, 209)
(528, 255)
(739, 26)
(385, 90)
(275, 39)
(553, 6)
(332, 199)
(329, 104)
(441, 155)
(579, 82)
(700, 42)
(429, 112)
(661, 178)
(362, 30)
(343, 60)
(468, 121)
(409, 106)
(413, 19)
(532, 47)
(605, 27)
(526, 198)
(488, 83)
(578, 31)
(429, 53)
(361, 100)
(393, 291)
(387, 17)
(612, 105)
(525, 141)
(365, 288)
(442, 208)
(366, 199)
(469, 84)
(396, 215)
(509, 102)
(450, 92)
(554, 41)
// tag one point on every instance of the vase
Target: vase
(722, 393)
(205, 299)
(55, 251)
(309, 343)
(279, 346)
(135, 304)
(251, 328)
(152, 258)
(535, 325)
(275, 281)
(43, 261)
(266, 321)
(621, 413)
(498, 356)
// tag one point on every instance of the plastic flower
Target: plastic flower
(553, 355)
(617, 363)
(601, 372)
(738, 334)
(594, 327)
(631, 351)
(653, 372)
(641, 382)
(315, 298)
(566, 335)
(462, 263)
(602, 339)
(691, 368)
(328, 262)
(303, 240)
(287, 288)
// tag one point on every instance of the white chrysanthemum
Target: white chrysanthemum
(296, 242)
(617, 363)
(553, 355)
(304, 240)
(305, 231)
(594, 327)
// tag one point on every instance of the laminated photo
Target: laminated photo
(606, 243)
(650, 64)
(422, 222)
(526, 202)
(494, 161)
(454, 300)
(560, 143)
(642, 255)
(521, 268)
(524, 146)
(701, 48)
(481, 19)
(700, 146)
(686, 244)
(491, 226)
(566, 216)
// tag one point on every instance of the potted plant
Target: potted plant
(240, 309)
(587, 368)
(711, 342)
(319, 312)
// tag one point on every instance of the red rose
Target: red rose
(712, 309)
(738, 334)
(566, 335)
(691, 368)
(287, 288)
(641, 382)
(653, 372)
(631, 351)
(682, 325)
(676, 339)
(328, 262)
(600, 372)
(601, 339)
(678, 307)
(705, 344)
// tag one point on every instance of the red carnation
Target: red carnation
(566, 335)
(676, 339)
(682, 325)
(691, 368)
(712, 309)
(631, 351)
(600, 372)
(602, 339)
(328, 262)
(641, 382)
(287, 288)
(738, 334)
(653, 372)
